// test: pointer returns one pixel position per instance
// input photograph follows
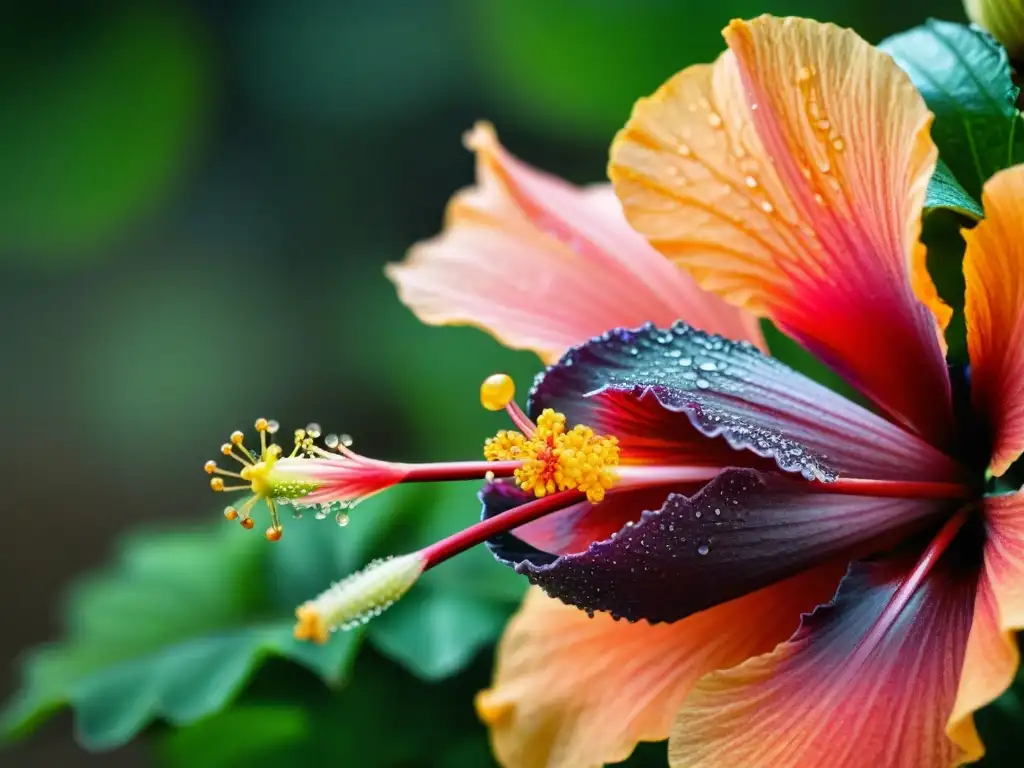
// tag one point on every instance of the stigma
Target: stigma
(542, 458)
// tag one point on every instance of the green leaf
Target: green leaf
(965, 78)
(944, 191)
(237, 736)
(382, 718)
(172, 630)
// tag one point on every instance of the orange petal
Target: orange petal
(994, 271)
(544, 265)
(832, 697)
(789, 178)
(992, 656)
(574, 692)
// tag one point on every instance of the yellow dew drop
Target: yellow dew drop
(684, 150)
(824, 166)
(818, 198)
(751, 182)
(804, 74)
(823, 125)
(714, 120)
(497, 391)
(838, 145)
(767, 207)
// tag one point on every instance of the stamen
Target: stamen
(553, 458)
(894, 489)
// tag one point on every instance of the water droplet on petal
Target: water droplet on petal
(767, 207)
(838, 145)
(751, 182)
(703, 549)
(714, 120)
(341, 519)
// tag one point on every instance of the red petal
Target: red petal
(820, 700)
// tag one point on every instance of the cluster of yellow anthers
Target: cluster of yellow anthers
(555, 459)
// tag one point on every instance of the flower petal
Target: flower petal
(644, 385)
(542, 264)
(576, 692)
(818, 699)
(742, 531)
(992, 656)
(789, 177)
(994, 271)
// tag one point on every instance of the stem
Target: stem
(459, 542)
(458, 470)
(895, 489)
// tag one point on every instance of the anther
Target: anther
(237, 437)
(226, 449)
(210, 467)
(216, 484)
(273, 533)
(247, 523)
(497, 391)
(230, 513)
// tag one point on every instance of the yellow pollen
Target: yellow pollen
(556, 459)
(497, 391)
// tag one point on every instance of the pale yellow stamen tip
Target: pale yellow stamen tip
(310, 625)
(216, 484)
(230, 513)
(237, 437)
(247, 523)
(497, 391)
(273, 533)
(226, 449)
(358, 598)
(210, 467)
(262, 425)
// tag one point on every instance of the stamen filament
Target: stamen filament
(641, 475)
(227, 473)
(520, 419)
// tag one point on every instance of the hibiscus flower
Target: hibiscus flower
(769, 574)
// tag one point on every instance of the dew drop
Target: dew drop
(767, 207)
(273, 426)
(708, 366)
(818, 198)
(703, 549)
(321, 513)
(684, 150)
(714, 120)
(838, 145)
(703, 383)
(751, 182)
(341, 519)
(346, 440)
(718, 511)
(804, 74)
(332, 441)
(313, 430)
(823, 124)
(824, 166)
(698, 514)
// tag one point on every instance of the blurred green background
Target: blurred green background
(196, 201)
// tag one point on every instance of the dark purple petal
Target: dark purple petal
(743, 531)
(729, 389)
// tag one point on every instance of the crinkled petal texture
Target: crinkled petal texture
(992, 656)
(668, 395)
(789, 177)
(994, 271)
(664, 391)
(572, 691)
(838, 694)
(744, 530)
(543, 265)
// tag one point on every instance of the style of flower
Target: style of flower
(805, 581)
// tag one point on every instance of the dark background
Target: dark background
(196, 201)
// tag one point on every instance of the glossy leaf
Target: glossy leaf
(965, 78)
(944, 191)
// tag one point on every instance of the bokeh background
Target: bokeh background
(196, 202)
